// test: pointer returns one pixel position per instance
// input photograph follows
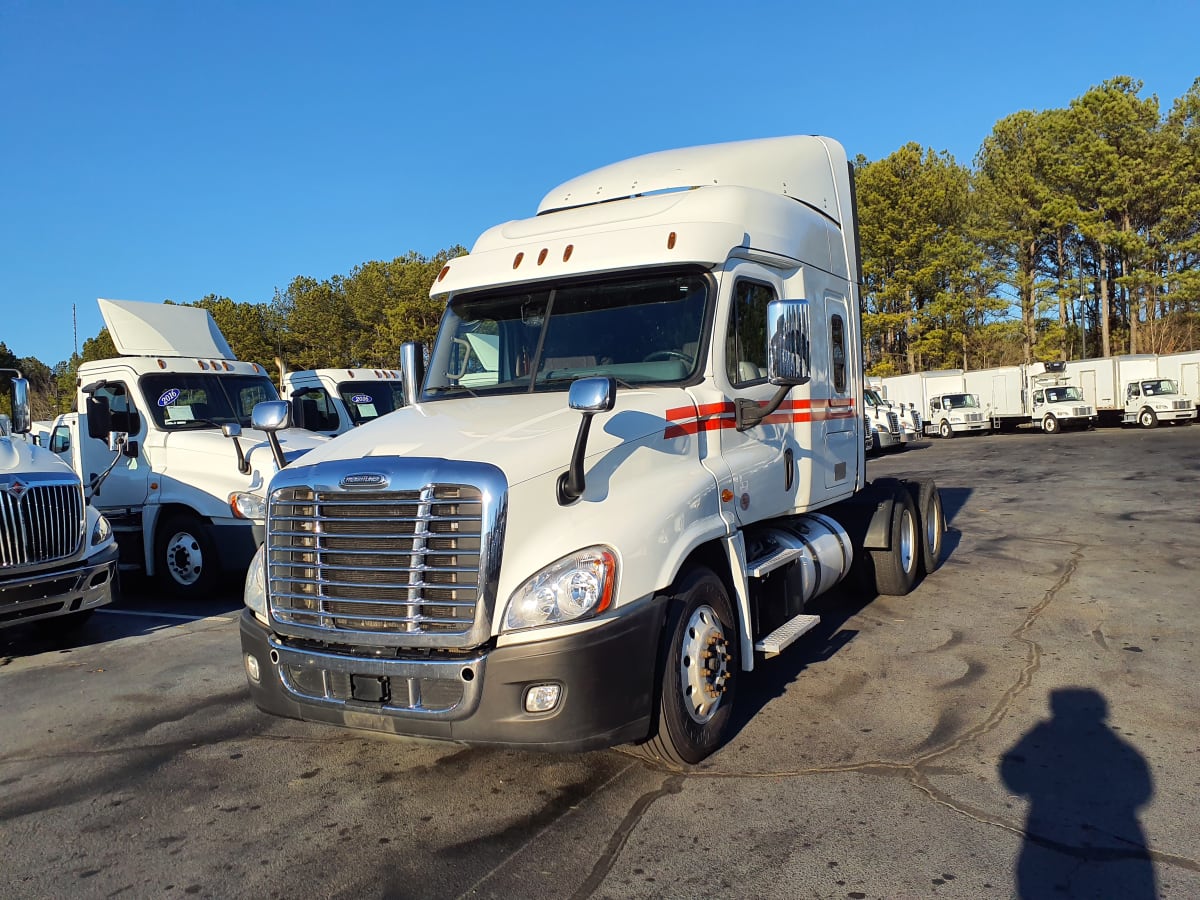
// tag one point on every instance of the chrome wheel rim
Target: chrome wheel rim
(185, 562)
(704, 659)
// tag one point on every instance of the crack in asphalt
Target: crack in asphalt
(913, 771)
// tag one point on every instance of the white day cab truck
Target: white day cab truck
(948, 407)
(1131, 390)
(163, 445)
(332, 401)
(629, 504)
(58, 558)
(1037, 394)
(888, 428)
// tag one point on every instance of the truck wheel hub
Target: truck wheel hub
(704, 664)
(184, 558)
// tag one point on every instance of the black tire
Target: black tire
(932, 521)
(1050, 425)
(185, 558)
(696, 694)
(945, 430)
(1147, 418)
(896, 569)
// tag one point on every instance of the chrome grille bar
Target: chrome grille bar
(43, 523)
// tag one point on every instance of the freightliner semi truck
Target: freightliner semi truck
(586, 534)
(58, 558)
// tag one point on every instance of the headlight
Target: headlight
(255, 595)
(248, 506)
(577, 585)
(101, 531)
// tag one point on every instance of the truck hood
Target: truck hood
(525, 435)
(18, 458)
(209, 451)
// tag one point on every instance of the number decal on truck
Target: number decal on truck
(168, 397)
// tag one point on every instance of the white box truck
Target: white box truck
(1184, 369)
(162, 443)
(58, 558)
(591, 541)
(332, 401)
(946, 405)
(1037, 394)
(1130, 389)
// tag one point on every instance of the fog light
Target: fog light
(542, 697)
(252, 667)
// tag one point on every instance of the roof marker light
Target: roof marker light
(542, 256)
(517, 259)
(671, 241)
(568, 251)
(442, 274)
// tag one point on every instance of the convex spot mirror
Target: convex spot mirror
(788, 352)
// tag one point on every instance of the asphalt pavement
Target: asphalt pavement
(1025, 724)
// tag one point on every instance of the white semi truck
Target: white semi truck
(585, 539)
(948, 407)
(163, 445)
(1130, 389)
(885, 424)
(58, 558)
(1037, 394)
(332, 401)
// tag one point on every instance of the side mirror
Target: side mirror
(270, 415)
(588, 396)
(788, 351)
(21, 420)
(99, 418)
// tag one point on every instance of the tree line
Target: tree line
(1075, 233)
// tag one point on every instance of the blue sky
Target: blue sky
(167, 150)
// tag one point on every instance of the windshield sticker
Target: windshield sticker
(361, 398)
(168, 397)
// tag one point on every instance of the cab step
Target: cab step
(779, 639)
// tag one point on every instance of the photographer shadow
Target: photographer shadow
(1085, 785)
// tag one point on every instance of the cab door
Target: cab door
(837, 410)
(761, 458)
(125, 486)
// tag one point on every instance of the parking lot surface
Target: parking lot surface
(1025, 723)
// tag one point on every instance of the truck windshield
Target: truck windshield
(367, 400)
(204, 399)
(1159, 386)
(961, 401)
(1063, 394)
(644, 330)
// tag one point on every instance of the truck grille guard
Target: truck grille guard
(40, 522)
(386, 552)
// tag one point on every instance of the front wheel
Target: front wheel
(945, 430)
(1147, 418)
(1050, 425)
(701, 658)
(185, 558)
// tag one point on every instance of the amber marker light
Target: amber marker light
(671, 241)
(442, 274)
(161, 364)
(517, 259)
(542, 256)
(726, 495)
(570, 248)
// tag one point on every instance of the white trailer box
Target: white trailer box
(947, 407)
(1103, 379)
(1039, 394)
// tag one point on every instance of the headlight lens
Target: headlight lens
(101, 531)
(248, 506)
(255, 595)
(576, 586)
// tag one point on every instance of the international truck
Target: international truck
(58, 558)
(1038, 394)
(332, 401)
(885, 426)
(162, 443)
(589, 536)
(1129, 389)
(946, 405)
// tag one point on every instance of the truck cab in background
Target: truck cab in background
(163, 444)
(1149, 401)
(957, 413)
(889, 428)
(332, 401)
(637, 454)
(58, 559)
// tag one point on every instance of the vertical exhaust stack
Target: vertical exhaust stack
(412, 370)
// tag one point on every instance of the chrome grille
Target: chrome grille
(893, 423)
(1080, 411)
(40, 523)
(1181, 404)
(973, 417)
(399, 563)
(916, 420)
